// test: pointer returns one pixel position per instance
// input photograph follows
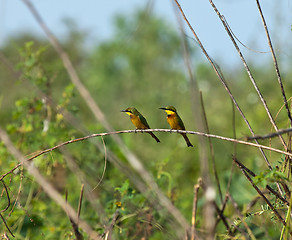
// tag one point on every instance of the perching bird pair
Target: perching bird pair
(173, 120)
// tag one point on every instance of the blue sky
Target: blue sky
(97, 17)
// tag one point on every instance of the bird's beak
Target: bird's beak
(123, 111)
(162, 108)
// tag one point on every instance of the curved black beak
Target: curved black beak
(162, 108)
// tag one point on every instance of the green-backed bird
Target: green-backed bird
(138, 120)
(175, 122)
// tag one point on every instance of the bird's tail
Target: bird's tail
(187, 140)
(152, 135)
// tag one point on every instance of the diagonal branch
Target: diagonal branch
(275, 62)
(222, 81)
(227, 28)
(260, 192)
(270, 135)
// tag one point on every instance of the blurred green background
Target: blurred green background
(141, 65)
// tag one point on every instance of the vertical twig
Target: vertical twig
(80, 201)
(211, 148)
(109, 229)
(203, 156)
(194, 212)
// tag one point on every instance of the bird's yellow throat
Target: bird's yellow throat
(168, 112)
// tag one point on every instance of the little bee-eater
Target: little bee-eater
(138, 120)
(175, 122)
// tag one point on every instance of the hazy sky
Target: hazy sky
(97, 17)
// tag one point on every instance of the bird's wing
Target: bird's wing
(143, 120)
(180, 122)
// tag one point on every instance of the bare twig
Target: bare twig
(108, 232)
(227, 28)
(77, 233)
(194, 212)
(144, 130)
(203, 155)
(220, 76)
(5, 209)
(6, 225)
(7, 195)
(104, 168)
(270, 135)
(275, 62)
(80, 200)
(75, 225)
(211, 149)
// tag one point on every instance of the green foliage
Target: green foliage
(270, 176)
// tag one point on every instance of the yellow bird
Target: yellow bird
(175, 122)
(138, 120)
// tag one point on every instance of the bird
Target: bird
(138, 120)
(175, 122)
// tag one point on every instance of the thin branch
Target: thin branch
(275, 62)
(5, 209)
(104, 168)
(227, 28)
(270, 135)
(7, 195)
(247, 170)
(144, 130)
(220, 76)
(260, 192)
(108, 232)
(80, 200)
(211, 148)
(6, 225)
(195, 203)
(74, 225)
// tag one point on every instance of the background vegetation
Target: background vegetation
(143, 65)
